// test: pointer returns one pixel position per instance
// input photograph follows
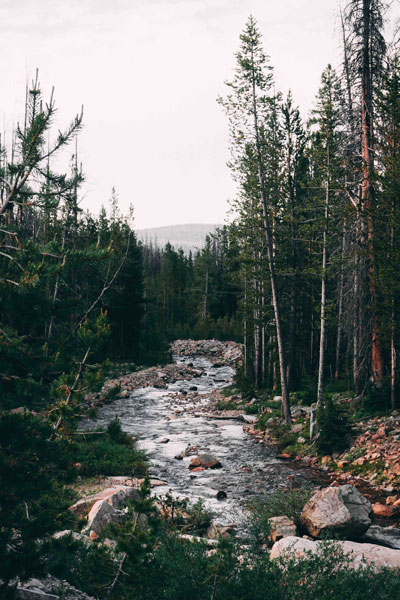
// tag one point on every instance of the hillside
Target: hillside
(188, 237)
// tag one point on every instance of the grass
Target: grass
(108, 452)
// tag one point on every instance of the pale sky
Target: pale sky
(148, 73)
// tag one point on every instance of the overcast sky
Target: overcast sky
(148, 73)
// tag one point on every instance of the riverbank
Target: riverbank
(212, 476)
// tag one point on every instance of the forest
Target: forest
(305, 276)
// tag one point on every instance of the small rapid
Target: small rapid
(168, 422)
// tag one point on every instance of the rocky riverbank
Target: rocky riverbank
(202, 445)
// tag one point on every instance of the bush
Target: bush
(33, 500)
(334, 428)
(283, 502)
(376, 398)
(110, 452)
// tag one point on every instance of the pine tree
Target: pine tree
(247, 107)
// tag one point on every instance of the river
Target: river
(250, 469)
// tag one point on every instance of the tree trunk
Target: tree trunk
(367, 186)
(323, 298)
(340, 308)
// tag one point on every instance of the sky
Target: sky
(148, 73)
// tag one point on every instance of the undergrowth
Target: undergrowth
(107, 452)
(153, 562)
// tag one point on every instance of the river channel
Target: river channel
(166, 423)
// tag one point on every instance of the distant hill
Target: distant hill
(188, 237)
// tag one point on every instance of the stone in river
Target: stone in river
(207, 461)
(221, 495)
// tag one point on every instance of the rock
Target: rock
(301, 440)
(34, 589)
(282, 527)
(164, 441)
(325, 459)
(193, 388)
(224, 531)
(249, 418)
(101, 514)
(74, 535)
(386, 536)
(337, 509)
(360, 555)
(115, 496)
(157, 483)
(382, 510)
(207, 461)
(391, 499)
(221, 495)
(179, 456)
(49, 588)
(297, 428)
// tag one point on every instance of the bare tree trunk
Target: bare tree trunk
(270, 257)
(205, 301)
(323, 301)
(393, 374)
(340, 307)
(356, 328)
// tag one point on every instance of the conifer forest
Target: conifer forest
(294, 304)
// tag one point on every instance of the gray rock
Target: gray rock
(298, 428)
(249, 418)
(49, 588)
(79, 537)
(360, 555)
(341, 510)
(281, 527)
(386, 536)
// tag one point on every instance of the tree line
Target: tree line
(317, 214)
(305, 275)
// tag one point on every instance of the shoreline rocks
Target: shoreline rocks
(338, 510)
(359, 555)
(225, 353)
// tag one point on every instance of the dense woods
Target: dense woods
(305, 276)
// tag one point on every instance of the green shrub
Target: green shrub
(282, 502)
(334, 428)
(110, 452)
(376, 398)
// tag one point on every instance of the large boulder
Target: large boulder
(101, 514)
(386, 536)
(342, 510)
(115, 496)
(359, 555)
(49, 588)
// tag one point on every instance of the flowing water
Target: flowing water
(249, 468)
